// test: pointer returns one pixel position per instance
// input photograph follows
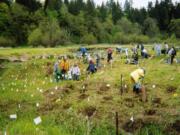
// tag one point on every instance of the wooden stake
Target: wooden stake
(121, 84)
(117, 124)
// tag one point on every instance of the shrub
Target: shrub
(6, 42)
(35, 37)
(128, 27)
(122, 38)
(174, 27)
(140, 38)
(150, 27)
(89, 39)
(104, 37)
(48, 34)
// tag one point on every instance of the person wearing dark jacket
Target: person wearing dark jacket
(172, 54)
(91, 68)
(109, 55)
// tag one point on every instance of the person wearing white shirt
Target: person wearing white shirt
(145, 53)
(166, 48)
(126, 52)
(75, 72)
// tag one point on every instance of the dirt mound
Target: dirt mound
(5, 106)
(51, 97)
(176, 125)
(136, 124)
(54, 93)
(67, 106)
(46, 107)
(83, 96)
(104, 87)
(1, 66)
(150, 112)
(156, 100)
(173, 129)
(132, 126)
(99, 92)
(129, 102)
(70, 86)
(171, 89)
(2, 60)
(108, 98)
(84, 87)
(89, 111)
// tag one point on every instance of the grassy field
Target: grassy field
(67, 109)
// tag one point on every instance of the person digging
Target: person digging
(136, 77)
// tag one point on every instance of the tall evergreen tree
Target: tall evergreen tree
(103, 12)
(66, 2)
(90, 8)
(176, 11)
(116, 12)
(128, 8)
(32, 5)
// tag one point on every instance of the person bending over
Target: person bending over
(136, 77)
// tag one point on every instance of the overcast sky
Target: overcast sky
(136, 3)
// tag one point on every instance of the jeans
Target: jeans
(75, 77)
(172, 58)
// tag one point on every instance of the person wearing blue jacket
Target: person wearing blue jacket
(83, 51)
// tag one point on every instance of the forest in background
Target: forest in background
(57, 22)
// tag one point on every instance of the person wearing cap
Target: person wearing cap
(136, 77)
(64, 66)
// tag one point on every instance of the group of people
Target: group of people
(169, 51)
(63, 71)
(134, 58)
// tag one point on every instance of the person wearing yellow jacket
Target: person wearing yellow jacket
(136, 77)
(64, 66)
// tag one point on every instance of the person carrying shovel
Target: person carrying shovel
(136, 77)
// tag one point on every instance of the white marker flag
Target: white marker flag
(37, 120)
(13, 116)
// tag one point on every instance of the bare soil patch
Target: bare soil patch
(89, 111)
(83, 96)
(171, 89)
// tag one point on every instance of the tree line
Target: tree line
(60, 22)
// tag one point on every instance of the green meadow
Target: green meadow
(88, 106)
